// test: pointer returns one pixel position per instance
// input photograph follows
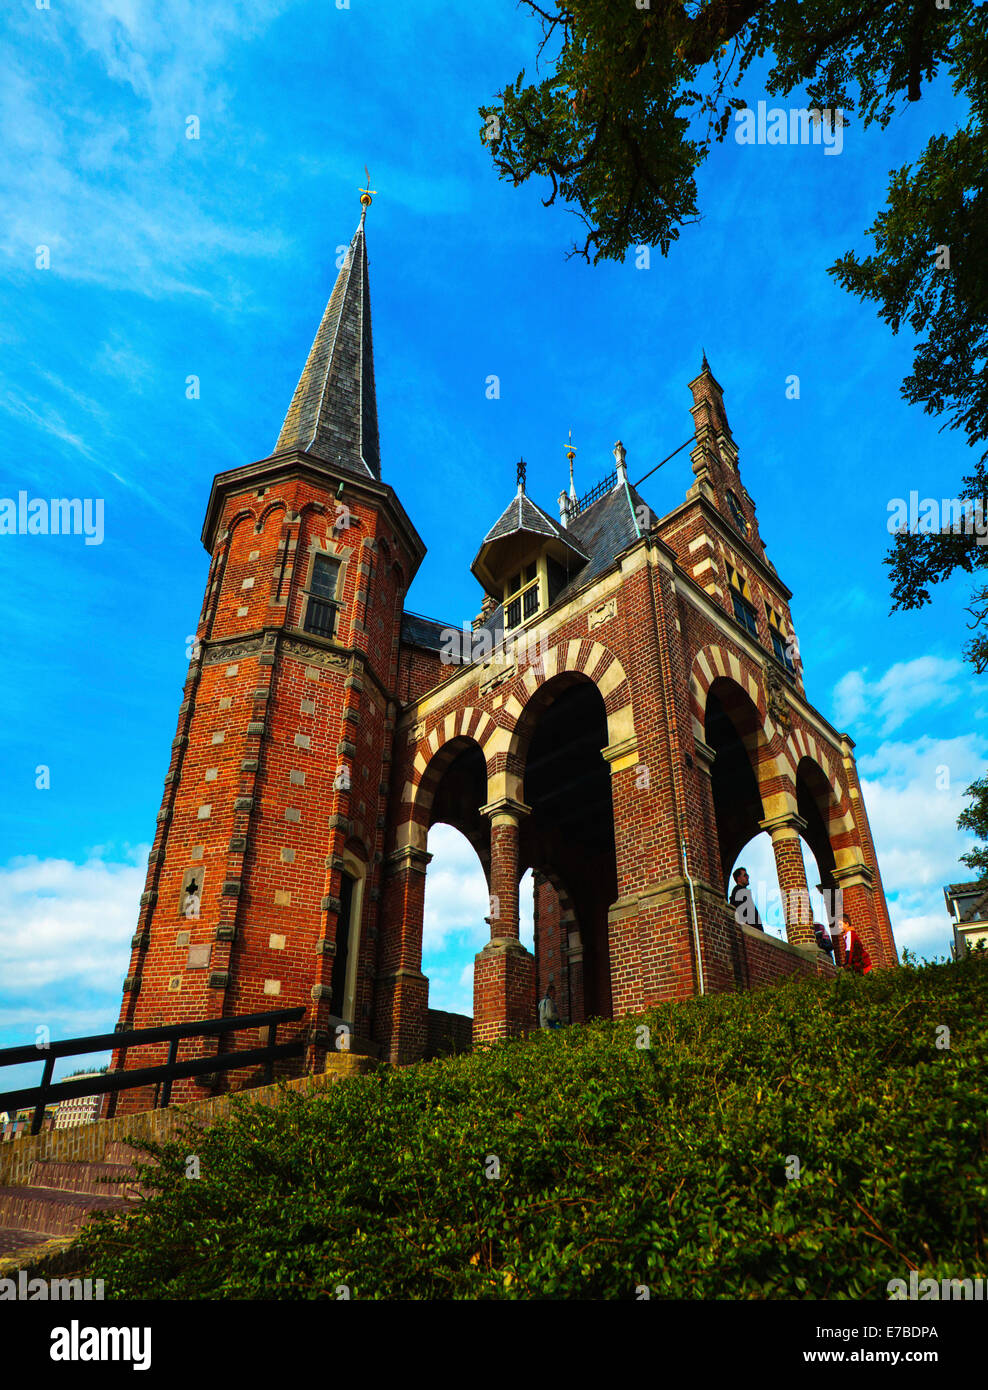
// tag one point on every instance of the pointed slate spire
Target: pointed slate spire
(333, 413)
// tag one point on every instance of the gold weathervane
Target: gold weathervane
(571, 455)
(366, 197)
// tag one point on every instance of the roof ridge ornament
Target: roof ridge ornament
(522, 468)
(571, 454)
(366, 195)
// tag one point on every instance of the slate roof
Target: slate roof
(333, 413)
(417, 631)
(976, 910)
(600, 532)
(521, 514)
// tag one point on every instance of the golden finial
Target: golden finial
(365, 193)
(571, 455)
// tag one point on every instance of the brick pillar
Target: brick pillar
(785, 832)
(875, 918)
(864, 907)
(401, 1005)
(504, 972)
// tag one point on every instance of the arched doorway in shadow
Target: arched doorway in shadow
(815, 803)
(732, 728)
(568, 839)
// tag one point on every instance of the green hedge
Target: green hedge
(619, 1166)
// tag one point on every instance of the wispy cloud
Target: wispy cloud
(905, 691)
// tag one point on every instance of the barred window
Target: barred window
(321, 609)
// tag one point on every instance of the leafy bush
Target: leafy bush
(669, 1166)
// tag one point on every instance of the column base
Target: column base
(503, 991)
(401, 1014)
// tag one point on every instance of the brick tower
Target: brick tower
(268, 846)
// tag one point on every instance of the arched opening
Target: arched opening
(457, 895)
(815, 802)
(758, 858)
(568, 839)
(732, 728)
(453, 926)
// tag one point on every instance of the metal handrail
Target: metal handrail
(172, 1070)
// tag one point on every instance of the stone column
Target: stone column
(856, 885)
(785, 831)
(504, 971)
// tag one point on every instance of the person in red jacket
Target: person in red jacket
(853, 955)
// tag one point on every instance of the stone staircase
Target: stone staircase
(51, 1183)
(59, 1197)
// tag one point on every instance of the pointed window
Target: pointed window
(744, 609)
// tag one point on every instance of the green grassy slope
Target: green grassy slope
(669, 1166)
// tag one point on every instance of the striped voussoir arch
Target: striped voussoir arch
(802, 744)
(471, 723)
(710, 664)
(591, 659)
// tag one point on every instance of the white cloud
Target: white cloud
(65, 934)
(914, 792)
(905, 690)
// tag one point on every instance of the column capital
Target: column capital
(853, 876)
(704, 755)
(505, 808)
(623, 754)
(786, 826)
(408, 858)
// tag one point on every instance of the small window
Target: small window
(325, 573)
(514, 584)
(321, 609)
(782, 652)
(745, 614)
(530, 573)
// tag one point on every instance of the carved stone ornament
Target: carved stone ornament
(214, 655)
(313, 655)
(601, 614)
(775, 697)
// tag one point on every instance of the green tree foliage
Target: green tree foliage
(631, 99)
(669, 1166)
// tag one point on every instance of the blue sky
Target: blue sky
(213, 258)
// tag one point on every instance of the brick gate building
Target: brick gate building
(624, 715)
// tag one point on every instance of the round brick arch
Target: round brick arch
(469, 725)
(580, 657)
(714, 663)
(801, 746)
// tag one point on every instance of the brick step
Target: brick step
(50, 1212)
(100, 1179)
(13, 1241)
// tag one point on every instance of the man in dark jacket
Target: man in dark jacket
(742, 900)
